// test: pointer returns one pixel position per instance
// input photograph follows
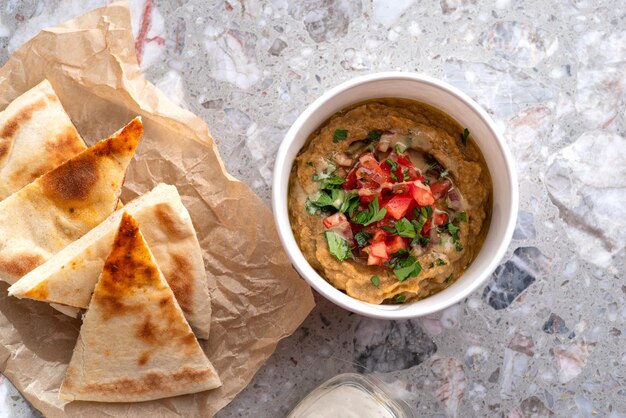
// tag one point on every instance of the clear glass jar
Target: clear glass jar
(351, 395)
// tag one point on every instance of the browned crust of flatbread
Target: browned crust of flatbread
(151, 382)
(73, 181)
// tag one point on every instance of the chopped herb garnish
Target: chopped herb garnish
(464, 136)
(370, 215)
(393, 164)
(405, 174)
(338, 199)
(362, 238)
(340, 135)
(448, 279)
(389, 229)
(406, 268)
(427, 182)
(400, 299)
(440, 262)
(421, 216)
(374, 135)
(309, 163)
(328, 181)
(375, 280)
(400, 148)
(454, 232)
(405, 228)
(394, 177)
(337, 245)
(462, 216)
(311, 208)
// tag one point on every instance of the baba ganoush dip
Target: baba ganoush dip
(390, 200)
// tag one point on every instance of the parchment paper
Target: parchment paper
(257, 296)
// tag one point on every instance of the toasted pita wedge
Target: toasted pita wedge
(135, 344)
(36, 135)
(70, 276)
(63, 204)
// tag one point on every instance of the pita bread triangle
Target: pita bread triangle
(36, 135)
(63, 204)
(69, 277)
(134, 344)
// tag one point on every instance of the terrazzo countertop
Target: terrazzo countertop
(546, 335)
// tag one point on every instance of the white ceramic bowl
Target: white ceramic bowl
(468, 114)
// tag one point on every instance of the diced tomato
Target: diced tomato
(396, 244)
(422, 196)
(368, 195)
(334, 220)
(379, 249)
(441, 218)
(374, 261)
(440, 188)
(379, 236)
(427, 227)
(350, 182)
(370, 172)
(398, 206)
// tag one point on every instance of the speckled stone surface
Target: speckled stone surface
(545, 336)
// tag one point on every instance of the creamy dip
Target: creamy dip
(343, 401)
(390, 200)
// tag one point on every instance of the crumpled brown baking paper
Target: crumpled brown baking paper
(257, 296)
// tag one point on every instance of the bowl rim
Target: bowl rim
(280, 188)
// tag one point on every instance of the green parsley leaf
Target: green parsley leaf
(329, 182)
(370, 215)
(374, 135)
(394, 177)
(427, 211)
(462, 216)
(406, 268)
(375, 280)
(399, 299)
(458, 246)
(310, 207)
(453, 229)
(464, 136)
(337, 245)
(405, 228)
(362, 238)
(389, 229)
(309, 163)
(400, 148)
(405, 175)
(340, 135)
(440, 262)
(448, 279)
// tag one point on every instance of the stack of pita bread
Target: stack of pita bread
(66, 239)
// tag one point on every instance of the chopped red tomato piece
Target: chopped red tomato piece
(440, 188)
(350, 182)
(334, 220)
(374, 261)
(441, 218)
(379, 249)
(370, 172)
(379, 235)
(398, 206)
(396, 244)
(422, 196)
(368, 195)
(427, 227)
